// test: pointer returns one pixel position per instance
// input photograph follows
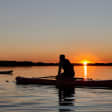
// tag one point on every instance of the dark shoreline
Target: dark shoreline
(29, 63)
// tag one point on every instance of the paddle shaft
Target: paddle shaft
(48, 77)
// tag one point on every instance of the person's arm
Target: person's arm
(59, 70)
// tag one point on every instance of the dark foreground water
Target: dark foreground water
(36, 98)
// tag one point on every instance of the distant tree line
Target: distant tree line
(25, 63)
(30, 63)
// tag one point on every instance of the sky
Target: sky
(41, 30)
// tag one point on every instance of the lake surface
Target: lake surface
(36, 98)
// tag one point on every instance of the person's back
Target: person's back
(67, 67)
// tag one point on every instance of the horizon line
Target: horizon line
(53, 62)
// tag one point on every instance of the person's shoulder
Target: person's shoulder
(67, 60)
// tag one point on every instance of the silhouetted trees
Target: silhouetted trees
(30, 63)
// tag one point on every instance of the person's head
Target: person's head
(62, 57)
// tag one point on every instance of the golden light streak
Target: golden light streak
(85, 71)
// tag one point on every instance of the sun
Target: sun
(85, 62)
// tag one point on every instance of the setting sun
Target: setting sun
(85, 62)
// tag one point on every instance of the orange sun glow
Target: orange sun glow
(85, 62)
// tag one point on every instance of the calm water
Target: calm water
(35, 98)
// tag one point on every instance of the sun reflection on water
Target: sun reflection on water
(85, 71)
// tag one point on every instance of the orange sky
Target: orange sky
(42, 30)
(45, 57)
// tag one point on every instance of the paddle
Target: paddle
(48, 77)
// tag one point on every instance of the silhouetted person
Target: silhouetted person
(67, 67)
